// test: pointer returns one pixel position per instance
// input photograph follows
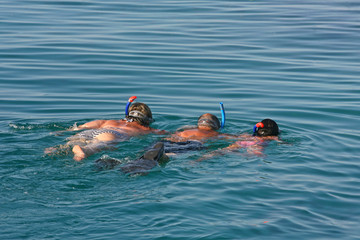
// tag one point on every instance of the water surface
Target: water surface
(64, 62)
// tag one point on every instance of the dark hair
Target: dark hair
(209, 120)
(143, 114)
(270, 128)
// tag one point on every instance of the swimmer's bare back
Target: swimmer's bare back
(193, 134)
(130, 128)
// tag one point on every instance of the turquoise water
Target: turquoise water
(74, 61)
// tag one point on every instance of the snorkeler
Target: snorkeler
(100, 135)
(263, 132)
(193, 138)
(207, 125)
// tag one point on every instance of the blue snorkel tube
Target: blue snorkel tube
(222, 115)
(131, 99)
(255, 128)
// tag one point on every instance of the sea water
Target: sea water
(73, 61)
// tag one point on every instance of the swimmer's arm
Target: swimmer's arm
(72, 128)
(88, 125)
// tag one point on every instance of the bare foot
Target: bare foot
(78, 153)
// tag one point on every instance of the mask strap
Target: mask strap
(207, 122)
(139, 114)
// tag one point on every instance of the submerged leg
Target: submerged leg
(85, 151)
(101, 142)
(79, 153)
(58, 150)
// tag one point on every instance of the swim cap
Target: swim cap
(266, 127)
(141, 113)
(209, 120)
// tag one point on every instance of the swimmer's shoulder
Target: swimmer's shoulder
(102, 123)
(112, 123)
(92, 124)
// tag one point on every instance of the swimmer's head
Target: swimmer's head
(209, 120)
(140, 113)
(266, 127)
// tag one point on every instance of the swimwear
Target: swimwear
(91, 134)
(180, 147)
